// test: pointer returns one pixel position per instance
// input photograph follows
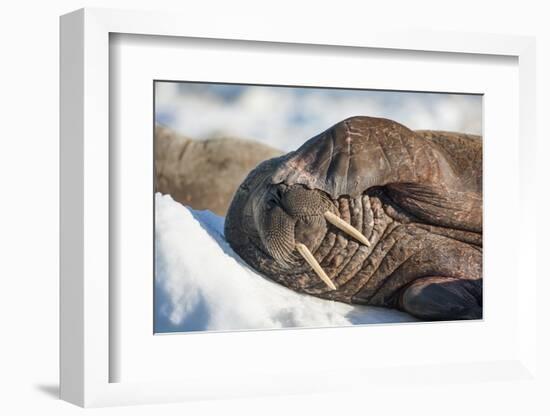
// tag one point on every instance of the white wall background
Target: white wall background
(29, 209)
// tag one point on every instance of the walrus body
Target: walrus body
(204, 174)
(369, 212)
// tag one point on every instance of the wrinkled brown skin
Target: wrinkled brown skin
(417, 197)
(204, 174)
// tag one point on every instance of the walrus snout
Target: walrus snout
(292, 222)
(288, 216)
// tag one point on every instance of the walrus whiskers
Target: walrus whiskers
(347, 228)
(306, 254)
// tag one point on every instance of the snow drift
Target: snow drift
(201, 284)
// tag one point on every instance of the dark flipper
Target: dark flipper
(443, 298)
(438, 205)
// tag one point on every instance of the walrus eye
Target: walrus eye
(274, 198)
(271, 203)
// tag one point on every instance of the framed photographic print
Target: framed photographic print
(271, 213)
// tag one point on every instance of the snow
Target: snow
(201, 284)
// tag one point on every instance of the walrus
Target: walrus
(204, 174)
(369, 212)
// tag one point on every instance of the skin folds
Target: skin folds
(390, 216)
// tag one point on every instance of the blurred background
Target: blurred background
(285, 117)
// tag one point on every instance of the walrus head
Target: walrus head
(280, 214)
(284, 224)
(274, 226)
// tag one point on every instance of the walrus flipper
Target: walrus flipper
(438, 298)
(438, 205)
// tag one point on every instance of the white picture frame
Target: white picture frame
(87, 309)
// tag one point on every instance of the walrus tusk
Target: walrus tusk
(306, 254)
(347, 228)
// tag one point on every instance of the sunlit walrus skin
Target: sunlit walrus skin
(369, 212)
